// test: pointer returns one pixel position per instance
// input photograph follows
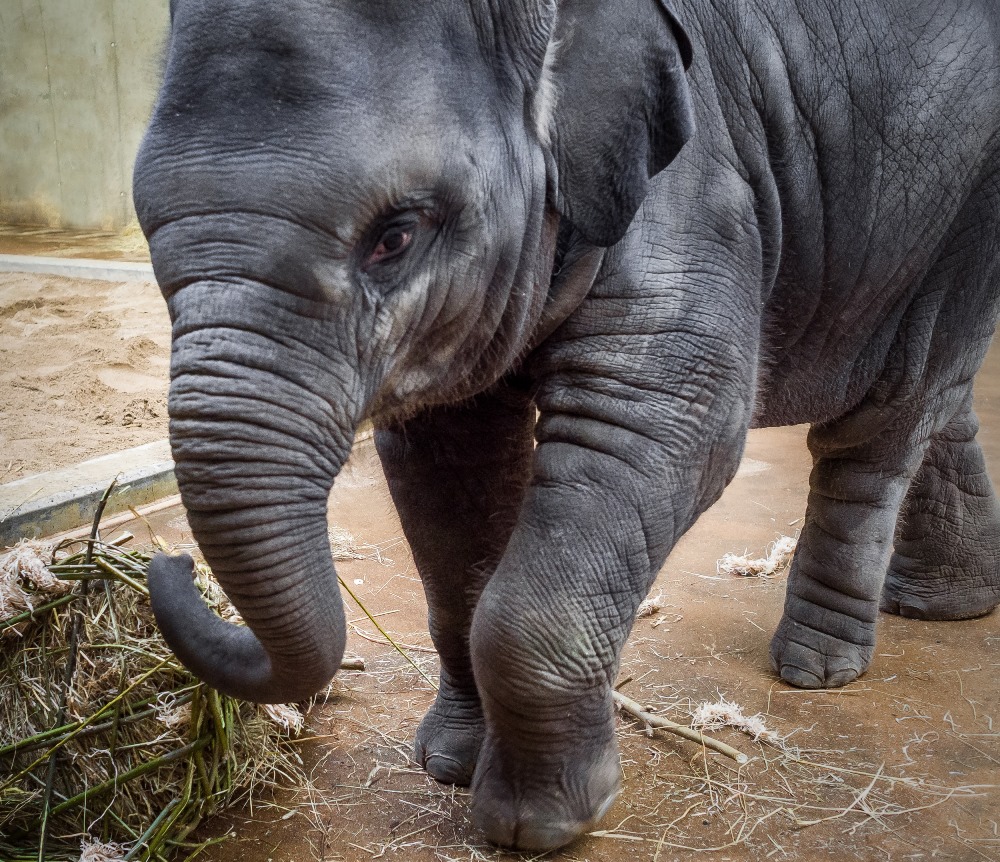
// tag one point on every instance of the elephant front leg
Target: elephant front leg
(546, 639)
(457, 476)
(826, 636)
(946, 564)
(604, 508)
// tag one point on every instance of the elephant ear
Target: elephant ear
(616, 105)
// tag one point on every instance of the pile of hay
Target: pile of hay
(129, 757)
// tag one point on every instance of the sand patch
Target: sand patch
(83, 370)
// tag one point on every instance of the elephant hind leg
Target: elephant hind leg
(946, 564)
(908, 450)
(826, 636)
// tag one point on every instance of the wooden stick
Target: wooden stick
(634, 709)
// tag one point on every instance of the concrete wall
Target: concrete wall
(77, 82)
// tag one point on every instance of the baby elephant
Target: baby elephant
(563, 254)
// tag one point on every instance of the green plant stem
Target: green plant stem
(155, 842)
(121, 576)
(152, 828)
(136, 563)
(95, 529)
(28, 614)
(142, 769)
(199, 848)
(85, 575)
(230, 710)
(385, 634)
(199, 762)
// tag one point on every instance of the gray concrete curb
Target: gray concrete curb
(63, 500)
(71, 267)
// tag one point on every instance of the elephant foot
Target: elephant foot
(546, 803)
(921, 592)
(549, 769)
(807, 657)
(448, 740)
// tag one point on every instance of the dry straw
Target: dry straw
(778, 556)
(104, 736)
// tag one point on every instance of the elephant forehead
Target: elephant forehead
(394, 59)
(333, 106)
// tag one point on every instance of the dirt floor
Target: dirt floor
(83, 370)
(903, 764)
(54, 242)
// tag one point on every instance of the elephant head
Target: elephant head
(352, 209)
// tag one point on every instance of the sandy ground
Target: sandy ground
(54, 242)
(83, 370)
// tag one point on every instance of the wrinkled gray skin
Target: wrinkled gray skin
(439, 215)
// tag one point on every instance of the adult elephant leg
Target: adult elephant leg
(826, 636)
(457, 477)
(946, 564)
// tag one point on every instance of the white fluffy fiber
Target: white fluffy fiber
(171, 714)
(24, 576)
(285, 716)
(649, 606)
(95, 851)
(778, 556)
(713, 716)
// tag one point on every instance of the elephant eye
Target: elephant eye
(392, 243)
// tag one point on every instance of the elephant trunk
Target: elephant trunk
(258, 433)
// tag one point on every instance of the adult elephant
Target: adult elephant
(446, 216)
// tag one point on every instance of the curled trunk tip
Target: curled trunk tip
(229, 657)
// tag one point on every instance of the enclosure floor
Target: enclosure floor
(903, 764)
(83, 370)
(53, 242)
